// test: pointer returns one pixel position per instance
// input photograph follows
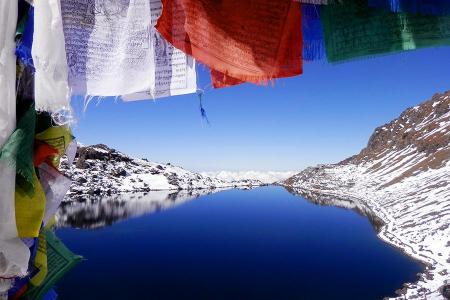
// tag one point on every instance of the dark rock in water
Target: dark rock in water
(400, 292)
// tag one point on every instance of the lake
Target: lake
(264, 243)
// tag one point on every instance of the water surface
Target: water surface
(260, 244)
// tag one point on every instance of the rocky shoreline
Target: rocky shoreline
(382, 225)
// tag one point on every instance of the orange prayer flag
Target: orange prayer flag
(251, 41)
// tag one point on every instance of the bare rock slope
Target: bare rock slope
(403, 177)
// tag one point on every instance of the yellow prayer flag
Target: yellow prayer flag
(30, 210)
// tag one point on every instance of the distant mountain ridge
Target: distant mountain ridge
(268, 177)
(403, 176)
(101, 170)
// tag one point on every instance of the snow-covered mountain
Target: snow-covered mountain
(403, 178)
(100, 170)
(267, 177)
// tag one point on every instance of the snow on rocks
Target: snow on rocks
(403, 178)
(100, 170)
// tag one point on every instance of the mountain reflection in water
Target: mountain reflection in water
(347, 203)
(260, 244)
(97, 212)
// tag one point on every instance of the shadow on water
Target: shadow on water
(326, 200)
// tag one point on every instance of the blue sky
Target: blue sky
(322, 116)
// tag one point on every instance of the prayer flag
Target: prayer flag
(12, 249)
(49, 58)
(252, 41)
(353, 29)
(432, 7)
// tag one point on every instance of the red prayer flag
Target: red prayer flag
(221, 80)
(241, 41)
(42, 151)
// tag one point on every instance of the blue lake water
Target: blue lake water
(259, 244)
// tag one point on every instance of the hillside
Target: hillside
(403, 178)
(100, 170)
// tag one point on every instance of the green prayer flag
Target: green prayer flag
(21, 26)
(352, 29)
(18, 150)
(60, 260)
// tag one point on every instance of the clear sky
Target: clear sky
(322, 116)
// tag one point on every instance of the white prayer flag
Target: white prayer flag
(49, 58)
(113, 49)
(13, 251)
(108, 46)
(174, 71)
(55, 186)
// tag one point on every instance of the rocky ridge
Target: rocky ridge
(403, 177)
(99, 170)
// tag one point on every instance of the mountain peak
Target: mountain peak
(423, 130)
